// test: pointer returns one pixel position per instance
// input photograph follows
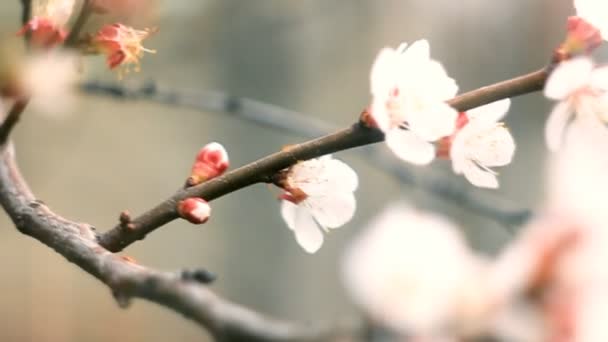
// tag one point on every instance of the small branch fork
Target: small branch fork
(261, 171)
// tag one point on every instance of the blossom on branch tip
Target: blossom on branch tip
(122, 45)
(319, 195)
(582, 92)
(481, 143)
(409, 91)
(211, 161)
(594, 12)
(194, 210)
(47, 26)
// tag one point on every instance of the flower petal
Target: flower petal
(434, 121)
(383, 75)
(288, 213)
(488, 145)
(410, 147)
(334, 210)
(479, 177)
(300, 220)
(567, 77)
(491, 112)
(556, 124)
(307, 231)
(341, 177)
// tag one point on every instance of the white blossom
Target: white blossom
(581, 90)
(409, 91)
(413, 272)
(595, 12)
(320, 196)
(59, 11)
(50, 80)
(483, 143)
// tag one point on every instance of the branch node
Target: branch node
(200, 275)
(122, 299)
(125, 217)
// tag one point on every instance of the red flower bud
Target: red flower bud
(211, 161)
(44, 32)
(194, 210)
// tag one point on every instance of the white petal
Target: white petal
(333, 210)
(433, 121)
(288, 213)
(556, 124)
(308, 233)
(341, 177)
(383, 77)
(409, 147)
(599, 78)
(479, 177)
(567, 77)
(489, 145)
(491, 112)
(417, 52)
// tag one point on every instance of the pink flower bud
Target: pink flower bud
(582, 38)
(194, 210)
(44, 32)
(211, 161)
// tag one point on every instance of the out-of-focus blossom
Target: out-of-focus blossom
(122, 45)
(319, 194)
(211, 161)
(50, 80)
(47, 26)
(595, 12)
(414, 273)
(194, 210)
(581, 90)
(559, 256)
(483, 142)
(409, 91)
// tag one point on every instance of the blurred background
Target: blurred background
(311, 56)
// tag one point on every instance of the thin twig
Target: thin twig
(75, 241)
(305, 126)
(11, 119)
(26, 11)
(81, 20)
(262, 170)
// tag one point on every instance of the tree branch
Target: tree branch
(11, 119)
(262, 170)
(284, 120)
(77, 243)
(81, 20)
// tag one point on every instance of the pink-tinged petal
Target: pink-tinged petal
(595, 12)
(410, 147)
(492, 112)
(334, 210)
(568, 77)
(556, 124)
(433, 121)
(480, 177)
(307, 231)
